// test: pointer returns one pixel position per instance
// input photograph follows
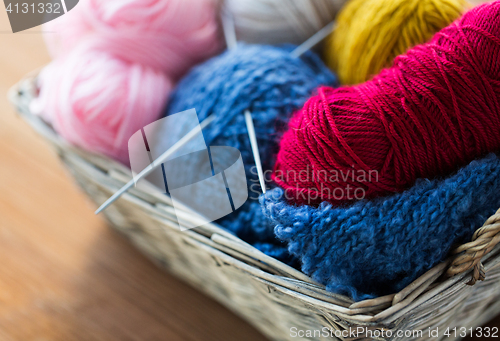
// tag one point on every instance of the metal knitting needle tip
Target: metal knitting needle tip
(231, 42)
(255, 149)
(315, 39)
(229, 29)
(156, 163)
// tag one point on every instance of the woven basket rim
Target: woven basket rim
(452, 273)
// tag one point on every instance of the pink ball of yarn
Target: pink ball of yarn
(168, 35)
(115, 65)
(97, 101)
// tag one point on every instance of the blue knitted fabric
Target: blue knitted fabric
(272, 85)
(378, 247)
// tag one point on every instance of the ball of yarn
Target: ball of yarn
(98, 102)
(378, 247)
(266, 80)
(167, 35)
(115, 64)
(280, 21)
(435, 110)
(371, 33)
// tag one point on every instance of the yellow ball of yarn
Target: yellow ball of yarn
(371, 33)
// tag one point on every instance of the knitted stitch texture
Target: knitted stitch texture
(378, 247)
(269, 82)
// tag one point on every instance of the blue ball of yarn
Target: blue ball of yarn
(269, 82)
(378, 247)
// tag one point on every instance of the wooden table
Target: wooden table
(63, 274)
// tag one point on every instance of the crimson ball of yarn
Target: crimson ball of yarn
(436, 109)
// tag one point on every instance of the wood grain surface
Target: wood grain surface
(63, 274)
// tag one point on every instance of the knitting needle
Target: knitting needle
(162, 158)
(255, 148)
(313, 40)
(301, 49)
(229, 30)
(231, 42)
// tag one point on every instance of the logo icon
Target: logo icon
(25, 14)
(209, 180)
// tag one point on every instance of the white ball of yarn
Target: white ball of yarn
(280, 21)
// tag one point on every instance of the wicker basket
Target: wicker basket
(278, 300)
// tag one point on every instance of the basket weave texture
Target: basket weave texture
(462, 292)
